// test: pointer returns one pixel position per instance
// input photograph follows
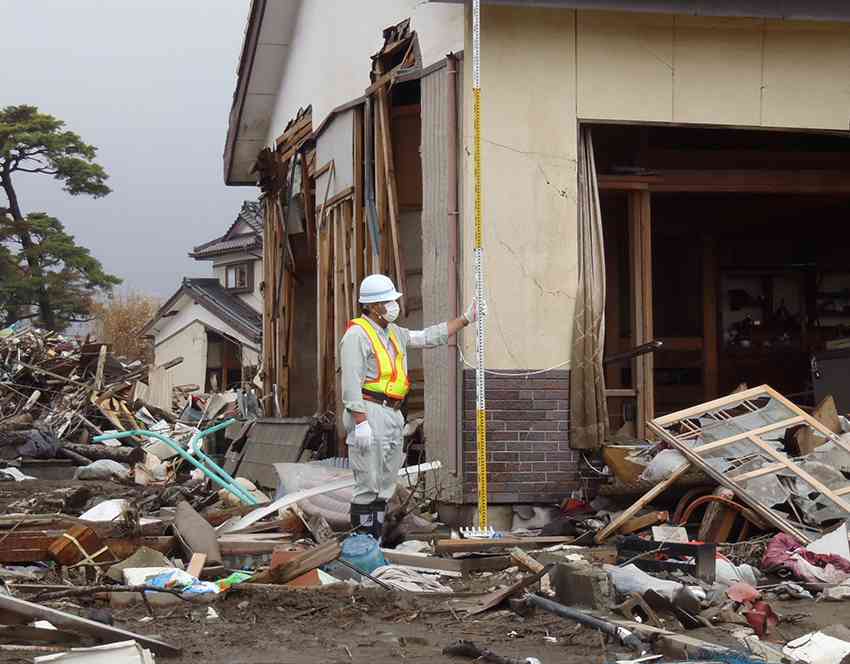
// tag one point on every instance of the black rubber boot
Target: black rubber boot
(362, 518)
(379, 512)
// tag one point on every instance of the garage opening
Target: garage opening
(729, 246)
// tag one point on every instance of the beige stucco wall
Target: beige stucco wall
(665, 68)
(191, 344)
(329, 57)
(529, 171)
(253, 299)
(544, 70)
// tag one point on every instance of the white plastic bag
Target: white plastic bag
(665, 463)
(104, 469)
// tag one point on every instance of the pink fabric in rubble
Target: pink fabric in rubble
(785, 551)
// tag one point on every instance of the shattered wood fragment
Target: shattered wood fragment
(80, 544)
(291, 567)
(637, 523)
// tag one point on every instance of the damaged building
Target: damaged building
(214, 323)
(652, 172)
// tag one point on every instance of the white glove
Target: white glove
(363, 435)
(474, 311)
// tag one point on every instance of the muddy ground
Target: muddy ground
(344, 625)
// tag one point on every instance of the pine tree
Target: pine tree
(40, 263)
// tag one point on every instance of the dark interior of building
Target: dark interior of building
(750, 278)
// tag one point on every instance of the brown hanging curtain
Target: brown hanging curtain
(588, 410)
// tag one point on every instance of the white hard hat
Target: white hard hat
(377, 288)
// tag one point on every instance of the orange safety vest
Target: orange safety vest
(391, 381)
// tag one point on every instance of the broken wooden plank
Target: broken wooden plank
(454, 565)
(196, 564)
(639, 504)
(522, 559)
(104, 633)
(644, 521)
(471, 545)
(29, 546)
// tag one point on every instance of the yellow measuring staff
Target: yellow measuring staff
(478, 266)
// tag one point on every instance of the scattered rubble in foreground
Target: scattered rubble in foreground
(122, 539)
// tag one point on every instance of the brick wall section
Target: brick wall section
(528, 452)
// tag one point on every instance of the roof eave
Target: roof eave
(800, 10)
(246, 64)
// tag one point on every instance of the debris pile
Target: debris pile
(750, 565)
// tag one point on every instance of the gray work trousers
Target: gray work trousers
(376, 465)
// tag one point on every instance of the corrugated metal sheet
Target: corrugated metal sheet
(435, 264)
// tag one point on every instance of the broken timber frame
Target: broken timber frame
(350, 232)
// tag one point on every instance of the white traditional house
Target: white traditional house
(215, 323)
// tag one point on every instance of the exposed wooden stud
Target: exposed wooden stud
(392, 191)
(348, 279)
(339, 307)
(322, 277)
(309, 206)
(268, 305)
(359, 231)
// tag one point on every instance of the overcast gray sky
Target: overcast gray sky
(149, 82)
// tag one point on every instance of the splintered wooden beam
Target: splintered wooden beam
(101, 365)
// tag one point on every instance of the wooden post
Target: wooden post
(392, 191)
(268, 305)
(339, 307)
(640, 245)
(309, 206)
(322, 282)
(709, 318)
(285, 343)
(359, 232)
(347, 221)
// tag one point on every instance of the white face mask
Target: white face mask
(391, 311)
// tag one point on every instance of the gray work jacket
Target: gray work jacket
(358, 360)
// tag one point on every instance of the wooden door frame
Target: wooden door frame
(640, 258)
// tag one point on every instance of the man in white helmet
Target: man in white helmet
(373, 354)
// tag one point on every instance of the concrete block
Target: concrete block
(580, 584)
